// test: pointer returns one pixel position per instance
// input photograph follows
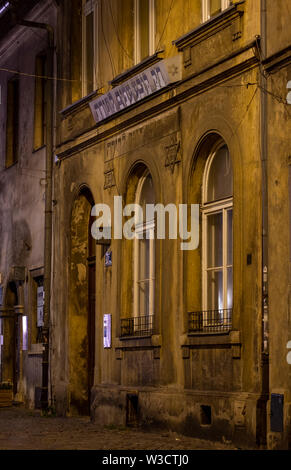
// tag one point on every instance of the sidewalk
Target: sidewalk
(24, 429)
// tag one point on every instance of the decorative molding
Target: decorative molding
(158, 106)
(157, 353)
(210, 27)
(173, 151)
(185, 352)
(109, 179)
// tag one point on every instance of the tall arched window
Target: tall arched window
(144, 259)
(217, 227)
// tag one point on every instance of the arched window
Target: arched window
(144, 259)
(217, 227)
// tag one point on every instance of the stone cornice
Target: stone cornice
(162, 102)
(210, 27)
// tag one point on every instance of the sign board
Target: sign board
(40, 304)
(107, 330)
(108, 258)
(140, 86)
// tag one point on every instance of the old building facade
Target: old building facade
(169, 102)
(23, 149)
(187, 347)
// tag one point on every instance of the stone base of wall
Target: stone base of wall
(233, 417)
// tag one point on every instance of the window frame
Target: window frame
(12, 121)
(88, 7)
(39, 136)
(141, 230)
(212, 208)
(152, 28)
(206, 8)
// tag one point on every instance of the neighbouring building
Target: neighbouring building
(23, 138)
(156, 102)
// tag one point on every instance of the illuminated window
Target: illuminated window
(12, 122)
(89, 46)
(37, 309)
(213, 7)
(39, 102)
(217, 230)
(144, 253)
(144, 17)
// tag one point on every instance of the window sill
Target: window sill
(230, 339)
(210, 26)
(37, 149)
(10, 166)
(78, 105)
(138, 342)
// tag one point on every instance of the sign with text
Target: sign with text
(143, 84)
(40, 305)
(107, 330)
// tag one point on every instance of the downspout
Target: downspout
(264, 167)
(48, 203)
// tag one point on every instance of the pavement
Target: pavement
(23, 429)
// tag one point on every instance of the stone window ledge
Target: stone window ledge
(210, 27)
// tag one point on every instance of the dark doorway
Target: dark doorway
(10, 364)
(82, 305)
(91, 312)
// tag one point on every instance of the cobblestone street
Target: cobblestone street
(24, 429)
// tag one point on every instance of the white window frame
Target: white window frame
(210, 208)
(88, 7)
(206, 8)
(152, 28)
(144, 230)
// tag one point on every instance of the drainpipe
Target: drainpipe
(48, 203)
(264, 161)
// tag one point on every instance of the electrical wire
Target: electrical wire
(117, 35)
(166, 22)
(105, 41)
(31, 75)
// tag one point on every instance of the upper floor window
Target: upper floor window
(144, 253)
(89, 45)
(217, 210)
(212, 7)
(12, 122)
(39, 102)
(144, 19)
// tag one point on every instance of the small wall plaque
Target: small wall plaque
(107, 330)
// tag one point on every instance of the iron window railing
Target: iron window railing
(137, 326)
(210, 321)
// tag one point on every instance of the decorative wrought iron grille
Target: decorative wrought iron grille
(210, 321)
(137, 326)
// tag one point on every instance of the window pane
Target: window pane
(39, 102)
(89, 52)
(219, 184)
(214, 290)
(147, 195)
(144, 28)
(229, 237)
(229, 288)
(215, 7)
(214, 240)
(144, 257)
